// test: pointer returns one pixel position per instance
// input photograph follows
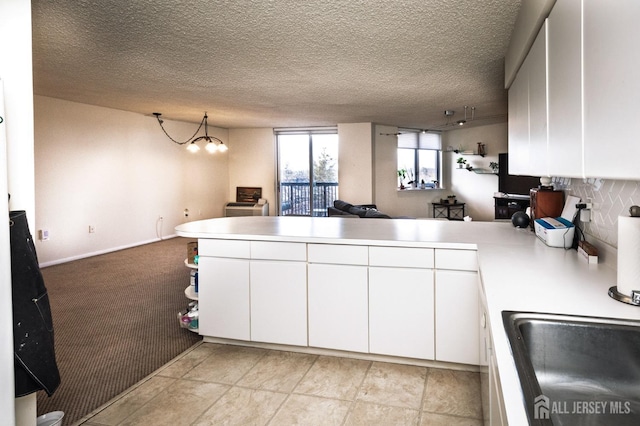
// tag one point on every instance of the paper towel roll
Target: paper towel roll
(628, 254)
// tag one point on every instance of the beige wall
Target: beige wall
(118, 172)
(355, 168)
(476, 190)
(252, 162)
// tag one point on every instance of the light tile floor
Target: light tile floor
(216, 384)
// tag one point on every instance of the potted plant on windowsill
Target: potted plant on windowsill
(402, 174)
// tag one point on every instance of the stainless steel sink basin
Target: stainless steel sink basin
(576, 370)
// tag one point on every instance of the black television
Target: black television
(513, 184)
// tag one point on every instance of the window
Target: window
(419, 159)
(307, 171)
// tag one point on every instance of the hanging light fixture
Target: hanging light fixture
(193, 147)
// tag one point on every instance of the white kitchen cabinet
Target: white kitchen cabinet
(337, 307)
(528, 113)
(538, 143)
(611, 87)
(401, 317)
(279, 302)
(519, 123)
(456, 316)
(565, 89)
(224, 297)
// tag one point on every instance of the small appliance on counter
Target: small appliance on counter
(559, 231)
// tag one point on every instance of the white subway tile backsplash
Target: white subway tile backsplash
(611, 199)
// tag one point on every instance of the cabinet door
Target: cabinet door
(519, 123)
(223, 296)
(401, 320)
(457, 327)
(537, 65)
(338, 307)
(279, 302)
(611, 87)
(565, 89)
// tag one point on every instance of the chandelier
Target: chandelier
(211, 146)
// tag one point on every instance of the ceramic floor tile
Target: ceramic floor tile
(227, 364)
(278, 371)
(334, 377)
(185, 363)
(367, 414)
(394, 384)
(453, 392)
(311, 410)
(132, 401)
(432, 419)
(241, 406)
(180, 404)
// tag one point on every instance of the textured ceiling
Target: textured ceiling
(259, 63)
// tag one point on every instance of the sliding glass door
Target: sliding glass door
(307, 171)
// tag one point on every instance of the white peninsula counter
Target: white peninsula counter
(397, 289)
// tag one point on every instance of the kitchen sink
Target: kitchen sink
(576, 370)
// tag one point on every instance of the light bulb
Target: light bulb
(211, 147)
(222, 147)
(193, 147)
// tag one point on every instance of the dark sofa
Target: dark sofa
(342, 208)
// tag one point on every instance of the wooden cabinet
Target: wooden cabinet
(546, 203)
(456, 306)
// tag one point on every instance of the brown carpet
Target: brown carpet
(115, 322)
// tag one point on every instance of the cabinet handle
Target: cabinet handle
(483, 320)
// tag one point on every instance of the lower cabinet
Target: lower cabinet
(401, 320)
(338, 308)
(223, 296)
(456, 304)
(279, 302)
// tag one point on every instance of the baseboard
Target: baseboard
(105, 251)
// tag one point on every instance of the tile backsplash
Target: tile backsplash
(611, 198)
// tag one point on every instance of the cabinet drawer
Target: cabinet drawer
(269, 250)
(401, 257)
(457, 260)
(338, 254)
(224, 248)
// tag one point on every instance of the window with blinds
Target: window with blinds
(419, 159)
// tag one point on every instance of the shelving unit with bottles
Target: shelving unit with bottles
(189, 318)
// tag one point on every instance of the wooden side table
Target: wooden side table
(449, 211)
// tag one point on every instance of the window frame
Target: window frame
(412, 140)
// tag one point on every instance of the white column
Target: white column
(16, 177)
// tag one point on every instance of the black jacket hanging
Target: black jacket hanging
(34, 354)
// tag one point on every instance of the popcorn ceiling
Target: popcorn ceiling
(277, 63)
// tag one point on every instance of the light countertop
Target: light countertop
(518, 271)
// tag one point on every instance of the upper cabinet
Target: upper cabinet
(565, 90)
(611, 89)
(570, 106)
(528, 113)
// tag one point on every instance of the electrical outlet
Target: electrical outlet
(92, 229)
(43, 235)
